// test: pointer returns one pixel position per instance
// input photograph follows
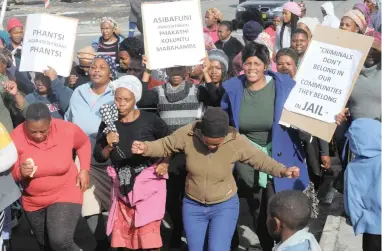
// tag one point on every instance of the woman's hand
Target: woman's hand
(342, 116)
(291, 172)
(51, 73)
(162, 168)
(206, 65)
(26, 169)
(83, 180)
(112, 138)
(138, 147)
(325, 162)
(10, 87)
(72, 80)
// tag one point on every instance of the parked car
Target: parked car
(267, 7)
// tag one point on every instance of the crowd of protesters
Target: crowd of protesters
(120, 145)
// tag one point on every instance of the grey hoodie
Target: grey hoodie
(57, 100)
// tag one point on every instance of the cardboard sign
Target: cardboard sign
(324, 80)
(173, 36)
(48, 41)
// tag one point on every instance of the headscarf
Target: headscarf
(113, 23)
(330, 19)
(310, 22)
(111, 63)
(292, 7)
(5, 37)
(217, 14)
(377, 39)
(86, 54)
(13, 23)
(266, 40)
(358, 18)
(129, 82)
(364, 10)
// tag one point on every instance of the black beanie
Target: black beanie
(215, 123)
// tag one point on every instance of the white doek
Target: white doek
(323, 81)
(48, 41)
(173, 35)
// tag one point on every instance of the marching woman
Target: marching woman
(83, 111)
(211, 204)
(353, 21)
(53, 185)
(254, 102)
(139, 195)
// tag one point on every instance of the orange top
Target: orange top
(55, 178)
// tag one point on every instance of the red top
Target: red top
(55, 178)
(272, 33)
(154, 83)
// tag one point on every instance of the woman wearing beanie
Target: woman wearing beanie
(254, 102)
(291, 14)
(16, 31)
(215, 69)
(375, 10)
(111, 37)
(308, 24)
(330, 18)
(211, 204)
(138, 182)
(79, 74)
(353, 21)
(364, 10)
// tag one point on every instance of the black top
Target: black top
(110, 49)
(231, 48)
(83, 77)
(147, 127)
(149, 100)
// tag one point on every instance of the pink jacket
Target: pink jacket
(148, 197)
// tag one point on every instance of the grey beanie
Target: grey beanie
(219, 55)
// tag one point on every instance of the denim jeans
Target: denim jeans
(210, 227)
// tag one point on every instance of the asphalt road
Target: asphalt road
(88, 31)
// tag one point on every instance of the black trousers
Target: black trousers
(371, 242)
(175, 193)
(54, 226)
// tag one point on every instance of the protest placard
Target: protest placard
(48, 41)
(324, 80)
(173, 36)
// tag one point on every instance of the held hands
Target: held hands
(112, 138)
(206, 65)
(291, 172)
(325, 162)
(138, 147)
(51, 73)
(162, 168)
(83, 180)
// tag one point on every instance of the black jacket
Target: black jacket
(231, 48)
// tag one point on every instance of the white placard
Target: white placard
(48, 41)
(323, 81)
(173, 33)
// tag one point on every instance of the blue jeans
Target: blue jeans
(219, 219)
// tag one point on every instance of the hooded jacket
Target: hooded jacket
(286, 143)
(330, 19)
(363, 177)
(57, 100)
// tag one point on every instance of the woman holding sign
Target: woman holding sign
(254, 102)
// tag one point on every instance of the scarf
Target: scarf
(126, 174)
(176, 94)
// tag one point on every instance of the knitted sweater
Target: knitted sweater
(178, 112)
(365, 99)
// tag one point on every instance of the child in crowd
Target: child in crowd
(288, 217)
